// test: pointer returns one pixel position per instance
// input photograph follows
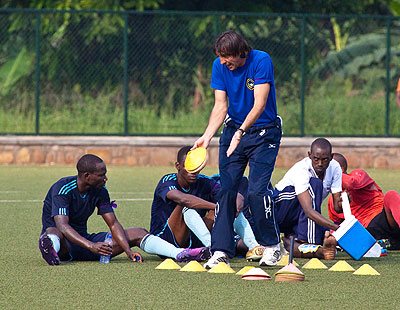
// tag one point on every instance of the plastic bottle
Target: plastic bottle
(375, 251)
(105, 259)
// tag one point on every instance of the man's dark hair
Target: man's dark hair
(230, 43)
(182, 152)
(322, 143)
(87, 163)
(341, 160)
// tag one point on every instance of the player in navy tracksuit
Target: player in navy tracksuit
(174, 198)
(251, 135)
(183, 207)
(67, 207)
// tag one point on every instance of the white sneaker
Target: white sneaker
(271, 255)
(217, 257)
(283, 250)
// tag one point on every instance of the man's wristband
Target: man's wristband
(242, 131)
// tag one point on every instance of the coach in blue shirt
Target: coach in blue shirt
(245, 101)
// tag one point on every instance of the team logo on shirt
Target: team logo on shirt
(250, 84)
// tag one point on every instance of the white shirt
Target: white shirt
(301, 172)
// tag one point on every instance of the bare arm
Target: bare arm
(398, 99)
(261, 92)
(337, 202)
(306, 204)
(118, 236)
(189, 201)
(62, 223)
(239, 202)
(216, 119)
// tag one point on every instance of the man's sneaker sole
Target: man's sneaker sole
(276, 257)
(268, 265)
(210, 264)
(255, 254)
(47, 250)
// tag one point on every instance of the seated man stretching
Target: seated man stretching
(183, 207)
(299, 196)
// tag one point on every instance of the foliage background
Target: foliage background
(144, 67)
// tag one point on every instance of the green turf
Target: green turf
(27, 282)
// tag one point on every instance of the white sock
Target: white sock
(196, 224)
(155, 245)
(242, 227)
(55, 240)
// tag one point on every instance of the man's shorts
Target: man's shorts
(379, 228)
(81, 254)
(167, 235)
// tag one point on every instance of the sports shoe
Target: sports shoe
(217, 257)
(47, 250)
(255, 254)
(271, 255)
(282, 248)
(384, 243)
(198, 254)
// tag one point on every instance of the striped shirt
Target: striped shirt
(63, 198)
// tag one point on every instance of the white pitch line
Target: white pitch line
(21, 200)
(134, 199)
(117, 199)
(118, 193)
(8, 192)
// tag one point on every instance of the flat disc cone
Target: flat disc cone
(196, 160)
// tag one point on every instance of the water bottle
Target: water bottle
(105, 259)
(375, 251)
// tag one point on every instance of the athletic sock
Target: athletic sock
(56, 241)
(196, 224)
(155, 245)
(242, 227)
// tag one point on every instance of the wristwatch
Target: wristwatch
(242, 131)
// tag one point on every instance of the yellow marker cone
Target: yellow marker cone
(341, 265)
(366, 270)
(285, 260)
(193, 266)
(256, 274)
(221, 267)
(244, 270)
(315, 263)
(168, 264)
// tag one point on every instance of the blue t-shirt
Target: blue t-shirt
(239, 86)
(63, 198)
(162, 207)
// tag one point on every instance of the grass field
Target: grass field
(27, 282)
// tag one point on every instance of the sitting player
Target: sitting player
(67, 207)
(183, 208)
(299, 196)
(379, 213)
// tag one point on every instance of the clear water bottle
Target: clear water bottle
(105, 259)
(374, 251)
